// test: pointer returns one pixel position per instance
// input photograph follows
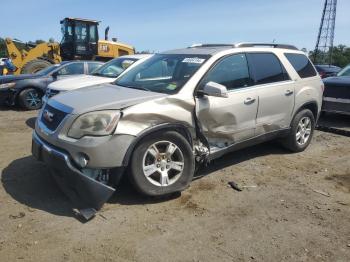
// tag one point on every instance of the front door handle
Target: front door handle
(249, 100)
(288, 92)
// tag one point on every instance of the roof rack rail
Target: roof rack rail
(292, 47)
(266, 44)
(210, 45)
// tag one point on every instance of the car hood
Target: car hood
(337, 80)
(80, 81)
(11, 78)
(101, 97)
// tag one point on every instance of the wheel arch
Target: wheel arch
(15, 99)
(178, 127)
(20, 90)
(312, 106)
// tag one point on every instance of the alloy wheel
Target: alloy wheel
(163, 163)
(303, 131)
(33, 98)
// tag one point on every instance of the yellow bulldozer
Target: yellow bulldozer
(80, 40)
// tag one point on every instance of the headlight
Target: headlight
(8, 85)
(99, 123)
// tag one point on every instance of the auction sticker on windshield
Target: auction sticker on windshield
(194, 60)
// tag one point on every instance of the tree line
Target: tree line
(340, 56)
(341, 53)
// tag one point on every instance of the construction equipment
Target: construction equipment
(324, 45)
(80, 40)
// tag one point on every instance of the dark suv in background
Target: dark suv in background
(327, 70)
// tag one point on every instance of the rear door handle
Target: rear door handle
(288, 92)
(249, 100)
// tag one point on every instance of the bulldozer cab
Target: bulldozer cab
(79, 38)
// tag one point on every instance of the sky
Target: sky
(159, 25)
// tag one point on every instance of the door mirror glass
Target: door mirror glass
(214, 89)
(55, 74)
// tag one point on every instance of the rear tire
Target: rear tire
(162, 163)
(30, 99)
(34, 66)
(302, 129)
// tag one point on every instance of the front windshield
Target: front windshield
(67, 32)
(47, 70)
(163, 73)
(114, 67)
(345, 71)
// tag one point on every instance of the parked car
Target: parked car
(27, 90)
(174, 111)
(336, 97)
(327, 70)
(105, 74)
(2, 66)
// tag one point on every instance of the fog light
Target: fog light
(82, 160)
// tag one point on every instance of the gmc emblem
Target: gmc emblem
(48, 116)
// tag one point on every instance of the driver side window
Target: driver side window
(231, 71)
(72, 69)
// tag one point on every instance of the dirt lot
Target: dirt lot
(281, 219)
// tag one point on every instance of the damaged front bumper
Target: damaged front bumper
(86, 192)
(7, 96)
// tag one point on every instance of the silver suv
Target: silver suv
(174, 111)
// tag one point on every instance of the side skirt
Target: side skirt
(249, 142)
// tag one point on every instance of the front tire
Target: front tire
(162, 163)
(302, 129)
(30, 99)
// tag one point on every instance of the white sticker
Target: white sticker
(194, 60)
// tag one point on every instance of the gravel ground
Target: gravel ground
(297, 208)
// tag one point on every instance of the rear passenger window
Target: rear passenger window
(301, 64)
(231, 71)
(266, 68)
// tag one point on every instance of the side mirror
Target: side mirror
(54, 75)
(214, 89)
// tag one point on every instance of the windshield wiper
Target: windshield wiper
(134, 87)
(103, 75)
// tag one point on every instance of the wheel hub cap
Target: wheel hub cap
(303, 131)
(163, 163)
(33, 98)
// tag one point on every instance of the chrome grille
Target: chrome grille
(52, 117)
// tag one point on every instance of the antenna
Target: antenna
(324, 45)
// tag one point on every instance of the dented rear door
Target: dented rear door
(275, 90)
